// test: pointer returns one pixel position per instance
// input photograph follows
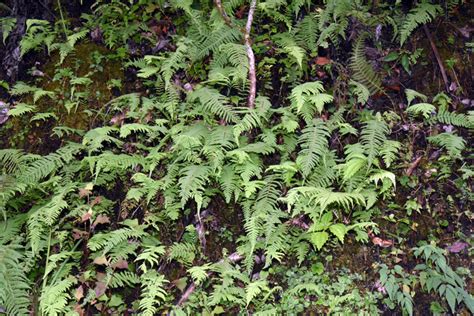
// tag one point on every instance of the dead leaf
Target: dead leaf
(321, 61)
(102, 260)
(78, 234)
(96, 201)
(457, 246)
(79, 293)
(86, 191)
(78, 309)
(101, 219)
(118, 119)
(121, 264)
(99, 289)
(86, 216)
(382, 242)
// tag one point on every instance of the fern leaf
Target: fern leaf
(314, 144)
(362, 69)
(423, 13)
(373, 136)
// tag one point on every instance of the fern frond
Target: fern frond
(193, 183)
(314, 144)
(373, 136)
(423, 13)
(425, 109)
(453, 143)
(55, 297)
(214, 102)
(15, 287)
(362, 70)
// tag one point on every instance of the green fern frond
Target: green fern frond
(123, 279)
(193, 183)
(15, 287)
(21, 109)
(423, 13)
(306, 32)
(301, 91)
(323, 198)
(213, 102)
(373, 136)
(314, 144)
(453, 143)
(362, 70)
(425, 109)
(456, 119)
(389, 151)
(6, 25)
(55, 297)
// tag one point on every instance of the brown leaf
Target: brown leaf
(86, 216)
(102, 260)
(99, 289)
(78, 309)
(382, 242)
(118, 119)
(84, 192)
(121, 264)
(96, 201)
(322, 61)
(101, 219)
(78, 234)
(79, 293)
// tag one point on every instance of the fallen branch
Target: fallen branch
(222, 12)
(251, 56)
(413, 166)
(438, 58)
(233, 258)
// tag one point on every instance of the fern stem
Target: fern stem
(62, 18)
(45, 277)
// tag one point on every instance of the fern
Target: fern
(453, 143)
(7, 25)
(307, 98)
(314, 143)
(362, 70)
(373, 137)
(55, 297)
(214, 102)
(15, 287)
(153, 292)
(323, 197)
(425, 109)
(192, 183)
(423, 13)
(456, 119)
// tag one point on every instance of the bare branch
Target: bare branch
(222, 12)
(438, 58)
(251, 56)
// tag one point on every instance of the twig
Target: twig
(222, 12)
(251, 56)
(233, 258)
(438, 58)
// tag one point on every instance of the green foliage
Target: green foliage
(132, 203)
(362, 71)
(423, 13)
(14, 292)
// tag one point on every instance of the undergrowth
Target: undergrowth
(177, 197)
